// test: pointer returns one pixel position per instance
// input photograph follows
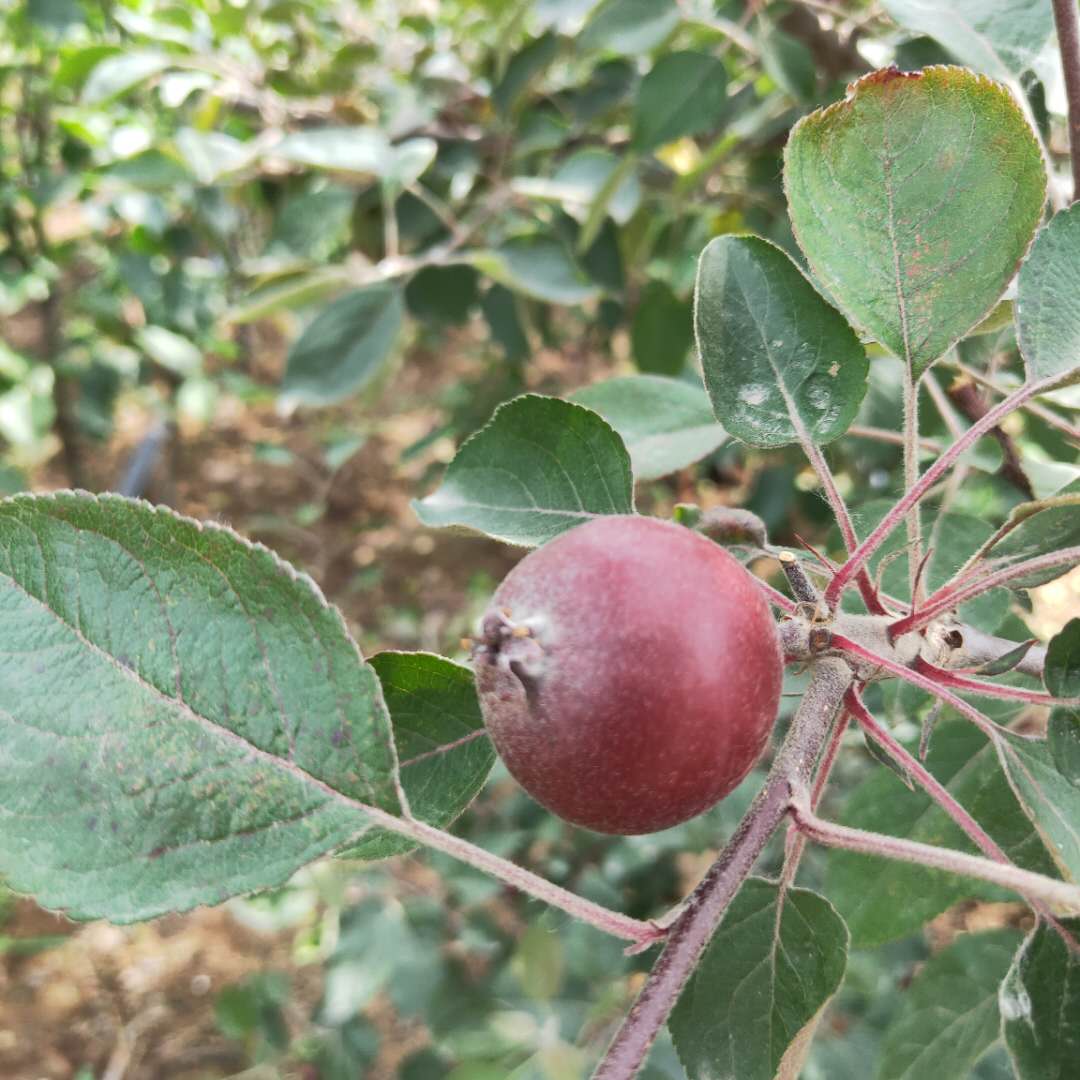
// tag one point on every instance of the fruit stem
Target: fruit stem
(792, 769)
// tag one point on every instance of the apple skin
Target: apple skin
(629, 674)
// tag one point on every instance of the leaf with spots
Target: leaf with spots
(914, 199)
(539, 467)
(780, 364)
(183, 717)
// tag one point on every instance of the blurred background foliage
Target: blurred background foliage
(270, 262)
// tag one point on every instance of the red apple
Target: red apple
(629, 674)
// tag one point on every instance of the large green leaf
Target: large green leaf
(914, 200)
(780, 364)
(882, 901)
(1047, 315)
(949, 1015)
(1052, 526)
(539, 467)
(184, 717)
(362, 150)
(1050, 799)
(1001, 38)
(1040, 1006)
(443, 750)
(345, 347)
(666, 424)
(761, 985)
(683, 94)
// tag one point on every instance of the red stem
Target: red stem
(952, 595)
(931, 686)
(928, 479)
(977, 686)
(1068, 32)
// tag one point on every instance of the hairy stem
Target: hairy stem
(911, 478)
(953, 595)
(967, 685)
(928, 479)
(843, 518)
(1057, 893)
(1068, 31)
(795, 842)
(924, 682)
(611, 922)
(691, 931)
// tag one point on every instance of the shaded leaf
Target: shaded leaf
(1061, 672)
(184, 716)
(1047, 318)
(666, 424)
(949, 1015)
(443, 750)
(780, 364)
(539, 467)
(1040, 1006)
(882, 901)
(1063, 734)
(1040, 528)
(762, 983)
(662, 330)
(914, 200)
(345, 347)
(1048, 798)
(684, 93)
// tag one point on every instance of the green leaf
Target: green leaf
(1063, 734)
(523, 68)
(666, 424)
(361, 150)
(882, 901)
(629, 27)
(345, 347)
(1049, 799)
(184, 717)
(211, 155)
(662, 331)
(761, 985)
(540, 267)
(789, 63)
(117, 74)
(580, 179)
(1040, 528)
(1002, 38)
(442, 295)
(539, 467)
(1040, 1006)
(949, 1015)
(914, 200)
(1047, 317)
(172, 351)
(294, 291)
(443, 749)
(780, 364)
(684, 93)
(1061, 672)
